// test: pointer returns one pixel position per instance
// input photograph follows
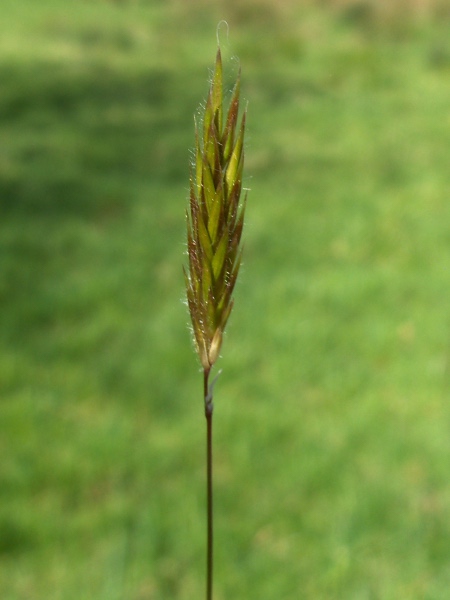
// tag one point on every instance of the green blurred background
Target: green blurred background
(332, 419)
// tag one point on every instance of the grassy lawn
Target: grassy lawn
(332, 415)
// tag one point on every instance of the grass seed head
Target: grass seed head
(215, 218)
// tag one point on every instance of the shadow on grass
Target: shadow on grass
(87, 155)
(78, 140)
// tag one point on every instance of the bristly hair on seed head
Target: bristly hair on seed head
(215, 218)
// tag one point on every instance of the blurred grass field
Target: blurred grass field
(332, 415)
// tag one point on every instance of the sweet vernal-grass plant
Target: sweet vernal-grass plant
(215, 218)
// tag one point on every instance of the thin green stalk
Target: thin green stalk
(209, 487)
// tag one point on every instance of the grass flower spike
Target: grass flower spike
(215, 219)
(214, 226)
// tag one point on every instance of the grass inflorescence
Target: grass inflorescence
(215, 219)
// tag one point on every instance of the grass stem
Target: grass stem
(209, 486)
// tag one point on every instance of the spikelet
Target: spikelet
(215, 219)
